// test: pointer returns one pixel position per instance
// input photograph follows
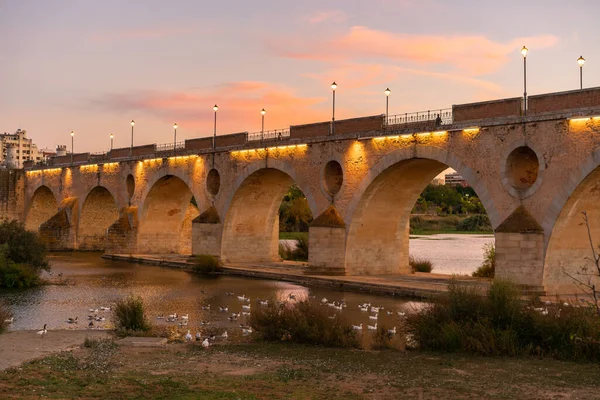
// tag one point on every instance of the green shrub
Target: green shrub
(475, 223)
(5, 314)
(207, 264)
(130, 315)
(488, 267)
(420, 264)
(302, 322)
(13, 275)
(299, 253)
(498, 322)
(382, 339)
(24, 247)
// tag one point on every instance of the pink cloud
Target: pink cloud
(328, 15)
(239, 106)
(474, 55)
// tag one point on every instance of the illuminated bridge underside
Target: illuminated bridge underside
(534, 175)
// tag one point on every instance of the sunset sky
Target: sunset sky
(91, 67)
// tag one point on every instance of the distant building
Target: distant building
(454, 179)
(17, 148)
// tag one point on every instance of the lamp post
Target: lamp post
(131, 148)
(215, 108)
(581, 61)
(333, 87)
(175, 138)
(72, 139)
(524, 51)
(262, 126)
(387, 102)
(111, 141)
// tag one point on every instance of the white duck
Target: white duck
(372, 327)
(205, 343)
(43, 332)
(357, 327)
(188, 336)
(392, 331)
(374, 317)
(225, 335)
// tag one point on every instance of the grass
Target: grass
(293, 235)
(284, 370)
(434, 224)
(420, 264)
(130, 315)
(499, 323)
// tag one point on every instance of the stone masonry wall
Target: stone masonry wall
(12, 194)
(520, 257)
(206, 238)
(327, 247)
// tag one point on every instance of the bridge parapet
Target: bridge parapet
(561, 101)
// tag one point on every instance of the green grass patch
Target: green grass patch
(293, 235)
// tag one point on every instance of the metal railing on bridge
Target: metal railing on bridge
(441, 117)
(276, 134)
(170, 147)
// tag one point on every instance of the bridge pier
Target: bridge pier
(327, 244)
(207, 231)
(520, 250)
(60, 231)
(121, 236)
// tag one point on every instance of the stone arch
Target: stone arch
(98, 212)
(251, 225)
(567, 242)
(273, 164)
(42, 207)
(160, 174)
(379, 215)
(165, 218)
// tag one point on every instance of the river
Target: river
(91, 283)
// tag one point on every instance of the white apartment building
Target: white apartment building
(17, 148)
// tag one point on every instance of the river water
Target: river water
(91, 283)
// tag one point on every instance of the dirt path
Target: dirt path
(19, 346)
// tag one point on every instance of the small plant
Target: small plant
(475, 223)
(382, 338)
(5, 316)
(302, 322)
(488, 267)
(130, 315)
(420, 264)
(207, 264)
(298, 253)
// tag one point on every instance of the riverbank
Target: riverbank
(282, 371)
(417, 285)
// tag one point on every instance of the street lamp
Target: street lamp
(175, 138)
(131, 148)
(215, 108)
(524, 51)
(333, 87)
(581, 61)
(111, 141)
(72, 137)
(262, 126)
(387, 98)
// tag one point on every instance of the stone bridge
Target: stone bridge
(534, 172)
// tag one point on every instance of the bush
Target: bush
(488, 267)
(299, 253)
(475, 223)
(498, 322)
(420, 264)
(24, 247)
(207, 264)
(13, 275)
(302, 322)
(4, 315)
(382, 339)
(130, 315)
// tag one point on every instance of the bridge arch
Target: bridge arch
(250, 229)
(42, 206)
(98, 211)
(165, 218)
(567, 243)
(378, 217)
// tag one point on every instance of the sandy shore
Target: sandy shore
(19, 346)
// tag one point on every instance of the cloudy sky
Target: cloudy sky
(92, 66)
